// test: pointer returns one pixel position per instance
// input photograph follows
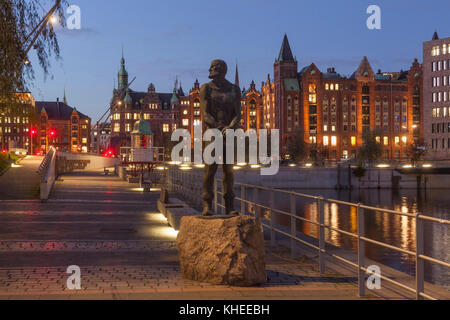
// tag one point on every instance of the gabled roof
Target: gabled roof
(137, 96)
(57, 110)
(364, 70)
(285, 51)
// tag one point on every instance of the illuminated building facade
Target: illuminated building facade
(63, 127)
(331, 112)
(16, 123)
(436, 83)
(168, 111)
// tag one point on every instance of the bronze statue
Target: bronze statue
(220, 102)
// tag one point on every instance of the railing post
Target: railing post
(320, 207)
(256, 202)
(420, 288)
(273, 238)
(243, 200)
(361, 252)
(293, 226)
(215, 196)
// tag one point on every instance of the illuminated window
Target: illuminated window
(147, 116)
(325, 128)
(337, 86)
(325, 141)
(116, 127)
(333, 141)
(327, 86)
(386, 141)
(197, 122)
(137, 116)
(127, 127)
(312, 93)
(404, 140)
(185, 122)
(116, 116)
(165, 127)
(378, 139)
(331, 86)
(353, 141)
(397, 140)
(84, 140)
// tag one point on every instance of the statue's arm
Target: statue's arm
(205, 107)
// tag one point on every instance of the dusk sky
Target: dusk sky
(166, 39)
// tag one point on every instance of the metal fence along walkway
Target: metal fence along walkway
(188, 185)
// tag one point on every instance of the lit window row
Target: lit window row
(440, 65)
(333, 141)
(436, 50)
(437, 81)
(441, 112)
(440, 96)
(331, 86)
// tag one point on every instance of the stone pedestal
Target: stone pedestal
(222, 250)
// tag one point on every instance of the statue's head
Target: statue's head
(218, 69)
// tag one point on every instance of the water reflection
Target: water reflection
(388, 228)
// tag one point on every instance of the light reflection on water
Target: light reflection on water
(388, 228)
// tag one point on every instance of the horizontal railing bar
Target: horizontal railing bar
(382, 210)
(423, 294)
(341, 231)
(290, 236)
(442, 263)
(382, 244)
(433, 219)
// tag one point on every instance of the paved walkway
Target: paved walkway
(126, 250)
(21, 182)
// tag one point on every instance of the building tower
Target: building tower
(285, 68)
(123, 74)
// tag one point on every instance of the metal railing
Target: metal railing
(183, 182)
(47, 172)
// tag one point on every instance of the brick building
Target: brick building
(331, 111)
(436, 84)
(168, 111)
(63, 127)
(16, 123)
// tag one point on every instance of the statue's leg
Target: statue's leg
(208, 188)
(228, 188)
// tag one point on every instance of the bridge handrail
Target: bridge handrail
(184, 183)
(47, 172)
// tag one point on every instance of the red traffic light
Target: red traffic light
(33, 132)
(4, 151)
(52, 133)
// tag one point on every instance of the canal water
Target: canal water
(388, 228)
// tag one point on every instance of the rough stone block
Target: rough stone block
(174, 215)
(222, 250)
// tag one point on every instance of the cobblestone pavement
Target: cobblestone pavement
(125, 250)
